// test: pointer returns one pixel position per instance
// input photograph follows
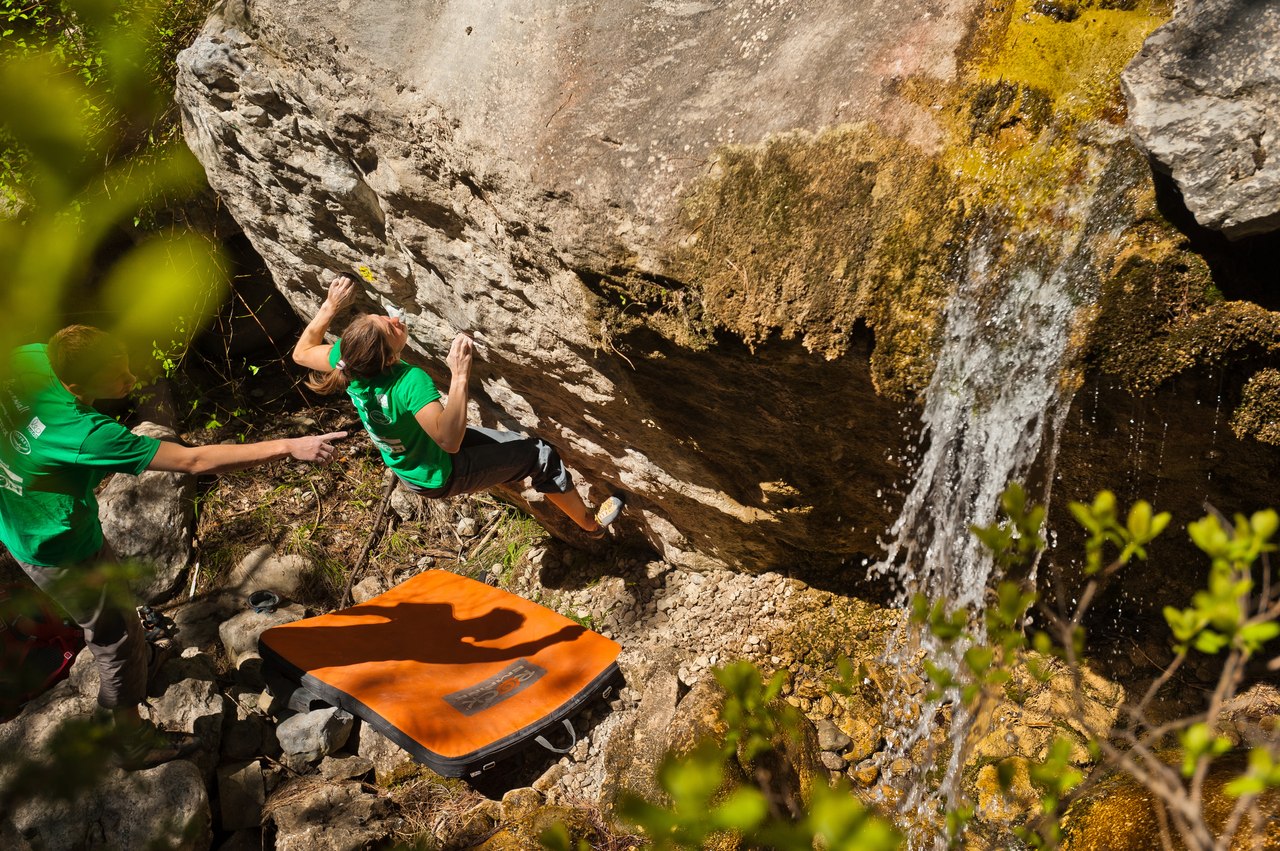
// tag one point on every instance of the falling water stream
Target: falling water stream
(994, 407)
(995, 388)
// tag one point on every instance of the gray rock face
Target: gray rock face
(632, 755)
(832, 738)
(150, 518)
(185, 696)
(241, 794)
(385, 754)
(265, 570)
(1204, 101)
(485, 165)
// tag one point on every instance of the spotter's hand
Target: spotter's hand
(316, 448)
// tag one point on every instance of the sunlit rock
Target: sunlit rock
(1204, 101)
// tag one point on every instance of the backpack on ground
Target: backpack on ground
(38, 644)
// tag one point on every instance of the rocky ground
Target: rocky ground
(286, 773)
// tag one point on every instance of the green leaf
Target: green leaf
(693, 780)
(1253, 636)
(938, 675)
(557, 838)
(1246, 785)
(1184, 623)
(1139, 522)
(1264, 524)
(919, 609)
(1207, 534)
(1198, 741)
(742, 810)
(979, 659)
(1084, 516)
(1211, 642)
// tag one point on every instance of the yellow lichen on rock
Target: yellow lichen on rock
(808, 235)
(1074, 51)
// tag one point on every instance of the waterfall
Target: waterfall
(994, 389)
(994, 406)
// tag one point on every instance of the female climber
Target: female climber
(426, 442)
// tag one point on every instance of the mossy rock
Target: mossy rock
(1259, 412)
(1119, 814)
(1161, 315)
(809, 235)
(525, 833)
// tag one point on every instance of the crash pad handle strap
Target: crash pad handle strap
(573, 739)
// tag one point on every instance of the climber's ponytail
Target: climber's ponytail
(366, 352)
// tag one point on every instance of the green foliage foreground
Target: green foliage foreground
(88, 146)
(81, 163)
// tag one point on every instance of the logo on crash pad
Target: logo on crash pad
(511, 680)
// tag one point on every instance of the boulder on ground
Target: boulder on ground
(265, 570)
(166, 806)
(150, 519)
(312, 815)
(311, 736)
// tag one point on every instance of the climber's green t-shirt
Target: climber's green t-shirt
(54, 451)
(387, 404)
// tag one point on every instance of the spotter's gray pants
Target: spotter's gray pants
(111, 629)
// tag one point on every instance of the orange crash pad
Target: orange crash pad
(456, 672)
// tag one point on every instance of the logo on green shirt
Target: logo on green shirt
(20, 442)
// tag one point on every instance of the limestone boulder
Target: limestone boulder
(1204, 102)
(265, 570)
(30, 732)
(316, 816)
(636, 749)
(241, 794)
(185, 696)
(310, 736)
(385, 754)
(521, 171)
(240, 633)
(708, 249)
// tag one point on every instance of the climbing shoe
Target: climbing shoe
(149, 746)
(605, 515)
